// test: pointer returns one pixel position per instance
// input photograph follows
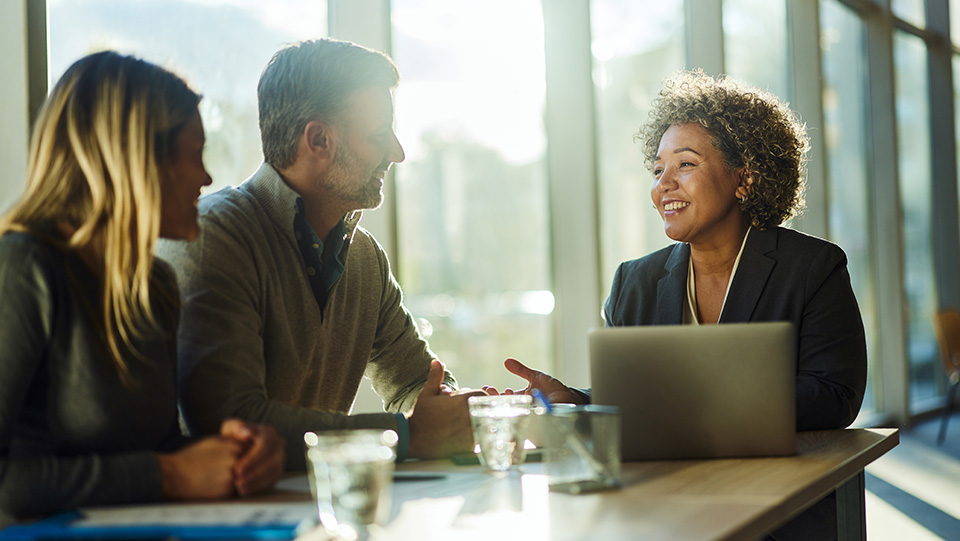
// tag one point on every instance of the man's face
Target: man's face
(366, 150)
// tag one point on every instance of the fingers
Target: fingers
(262, 472)
(259, 478)
(254, 452)
(236, 429)
(467, 393)
(440, 425)
(259, 453)
(492, 391)
(262, 464)
(225, 452)
(434, 378)
(229, 446)
(519, 369)
(460, 437)
(202, 470)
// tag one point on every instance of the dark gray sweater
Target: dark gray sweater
(71, 433)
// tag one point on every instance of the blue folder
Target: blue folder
(61, 527)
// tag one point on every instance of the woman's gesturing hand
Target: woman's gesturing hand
(552, 388)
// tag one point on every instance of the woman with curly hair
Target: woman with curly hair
(728, 164)
(88, 317)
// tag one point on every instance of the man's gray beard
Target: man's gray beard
(371, 196)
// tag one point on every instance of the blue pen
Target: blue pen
(538, 396)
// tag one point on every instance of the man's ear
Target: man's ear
(319, 139)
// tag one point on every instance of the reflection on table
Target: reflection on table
(688, 499)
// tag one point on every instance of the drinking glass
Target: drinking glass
(499, 428)
(581, 447)
(350, 473)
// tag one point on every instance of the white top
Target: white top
(690, 308)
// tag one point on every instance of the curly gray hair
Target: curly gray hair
(750, 127)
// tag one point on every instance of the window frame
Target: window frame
(572, 169)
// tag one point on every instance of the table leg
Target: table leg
(851, 510)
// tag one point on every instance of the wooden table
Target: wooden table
(689, 499)
(717, 499)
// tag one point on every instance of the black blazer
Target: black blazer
(783, 275)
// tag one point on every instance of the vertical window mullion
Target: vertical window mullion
(943, 158)
(804, 74)
(847, 187)
(915, 183)
(18, 87)
(704, 32)
(571, 169)
(367, 22)
(893, 397)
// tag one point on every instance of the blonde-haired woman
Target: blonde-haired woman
(88, 397)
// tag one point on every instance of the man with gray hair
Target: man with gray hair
(287, 302)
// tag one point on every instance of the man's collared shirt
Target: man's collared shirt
(324, 267)
(322, 258)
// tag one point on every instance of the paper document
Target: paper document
(198, 514)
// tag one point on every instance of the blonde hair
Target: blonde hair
(97, 144)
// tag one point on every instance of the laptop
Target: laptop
(709, 391)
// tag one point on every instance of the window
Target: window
(956, 107)
(469, 214)
(628, 70)
(910, 11)
(913, 140)
(955, 36)
(472, 210)
(218, 46)
(845, 137)
(955, 25)
(755, 43)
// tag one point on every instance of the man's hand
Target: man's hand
(440, 421)
(260, 464)
(552, 388)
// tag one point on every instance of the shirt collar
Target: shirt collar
(690, 311)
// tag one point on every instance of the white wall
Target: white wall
(14, 125)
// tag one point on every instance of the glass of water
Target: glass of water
(350, 473)
(499, 428)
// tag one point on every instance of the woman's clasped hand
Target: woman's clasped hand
(243, 459)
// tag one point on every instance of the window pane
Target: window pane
(955, 23)
(913, 140)
(844, 119)
(910, 11)
(472, 210)
(956, 131)
(755, 43)
(219, 47)
(628, 70)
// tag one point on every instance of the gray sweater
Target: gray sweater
(253, 342)
(71, 433)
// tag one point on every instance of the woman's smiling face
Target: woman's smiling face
(694, 190)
